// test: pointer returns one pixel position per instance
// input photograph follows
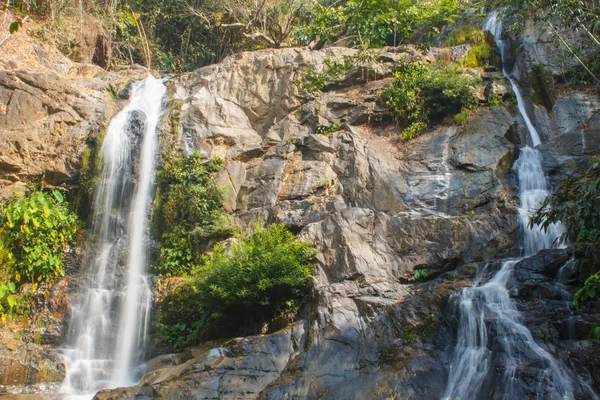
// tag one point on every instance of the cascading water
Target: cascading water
(491, 330)
(110, 316)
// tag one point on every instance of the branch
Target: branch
(259, 35)
(11, 34)
(572, 52)
(198, 13)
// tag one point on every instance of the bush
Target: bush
(239, 290)
(36, 230)
(464, 34)
(189, 212)
(421, 93)
(374, 23)
(576, 205)
(483, 51)
(34, 233)
(414, 130)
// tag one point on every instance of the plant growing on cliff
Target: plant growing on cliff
(427, 93)
(236, 290)
(36, 230)
(374, 23)
(189, 212)
(576, 204)
(419, 275)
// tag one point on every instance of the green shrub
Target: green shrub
(333, 70)
(462, 116)
(374, 23)
(238, 290)
(483, 51)
(327, 130)
(421, 93)
(413, 130)
(189, 212)
(576, 205)
(36, 230)
(419, 275)
(466, 33)
(542, 85)
(495, 100)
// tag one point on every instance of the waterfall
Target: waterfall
(110, 314)
(490, 328)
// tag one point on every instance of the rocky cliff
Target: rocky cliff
(376, 208)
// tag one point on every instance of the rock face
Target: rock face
(48, 118)
(376, 210)
(51, 109)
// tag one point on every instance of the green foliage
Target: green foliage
(466, 33)
(419, 275)
(321, 21)
(8, 299)
(327, 130)
(542, 84)
(238, 290)
(495, 100)
(413, 130)
(427, 93)
(375, 23)
(333, 70)
(89, 174)
(482, 55)
(576, 204)
(483, 51)
(462, 116)
(595, 332)
(13, 27)
(189, 212)
(36, 230)
(588, 291)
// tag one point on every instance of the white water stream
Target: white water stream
(110, 316)
(491, 330)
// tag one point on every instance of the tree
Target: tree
(271, 21)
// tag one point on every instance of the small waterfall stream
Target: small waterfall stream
(111, 313)
(491, 332)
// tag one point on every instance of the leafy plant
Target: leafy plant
(576, 204)
(426, 93)
(462, 116)
(333, 70)
(419, 275)
(595, 332)
(413, 130)
(465, 34)
(36, 230)
(327, 130)
(495, 100)
(375, 23)
(189, 212)
(237, 290)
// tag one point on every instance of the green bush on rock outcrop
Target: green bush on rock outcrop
(576, 204)
(428, 93)
(237, 290)
(35, 231)
(189, 212)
